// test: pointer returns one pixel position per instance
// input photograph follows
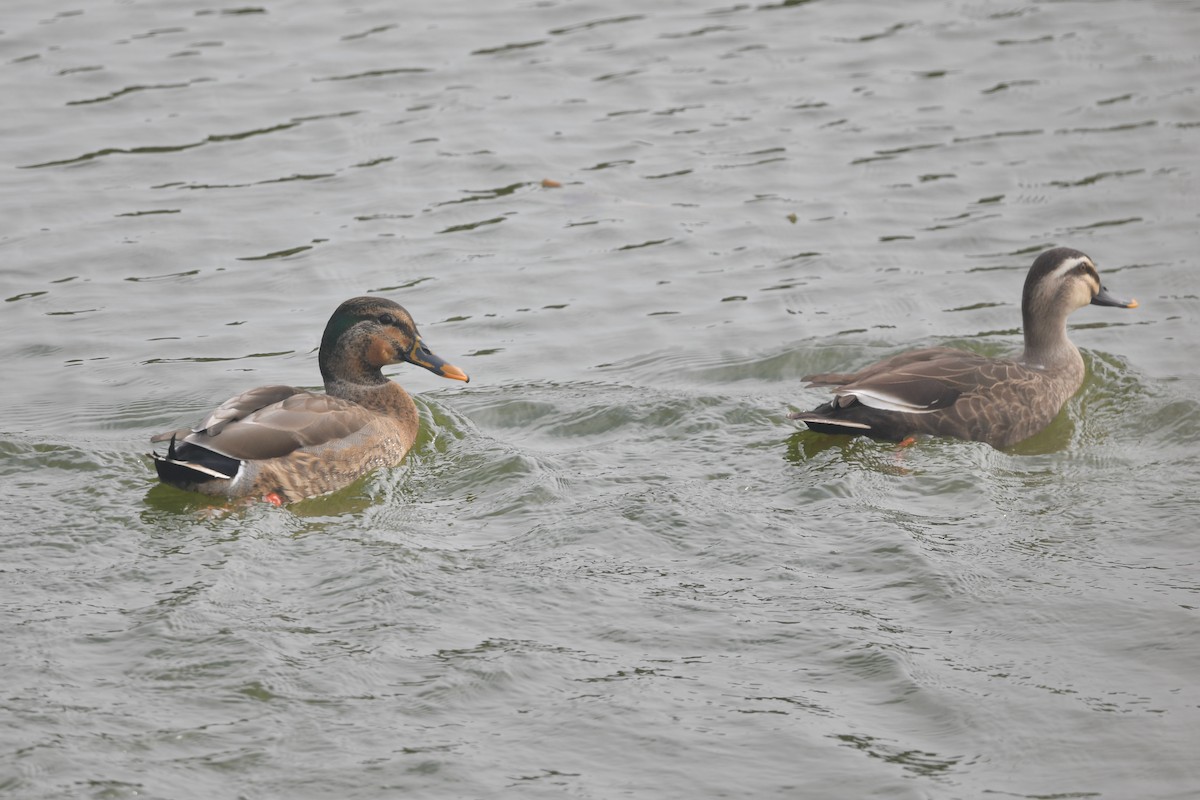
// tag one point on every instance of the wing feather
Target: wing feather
(270, 422)
(300, 420)
(243, 405)
(916, 382)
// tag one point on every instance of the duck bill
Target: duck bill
(1103, 298)
(422, 356)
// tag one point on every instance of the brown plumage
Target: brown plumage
(284, 444)
(943, 391)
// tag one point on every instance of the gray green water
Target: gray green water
(612, 567)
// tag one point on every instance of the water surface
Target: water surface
(612, 567)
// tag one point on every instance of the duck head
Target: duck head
(366, 334)
(1066, 278)
(1060, 281)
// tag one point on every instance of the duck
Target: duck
(944, 391)
(283, 444)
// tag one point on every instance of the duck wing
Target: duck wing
(270, 422)
(244, 405)
(941, 391)
(917, 382)
(233, 409)
(301, 420)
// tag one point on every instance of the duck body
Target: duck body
(944, 391)
(283, 444)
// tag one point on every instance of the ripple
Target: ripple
(611, 554)
(375, 73)
(129, 90)
(178, 148)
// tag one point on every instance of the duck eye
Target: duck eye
(387, 319)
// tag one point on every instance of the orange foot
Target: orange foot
(273, 499)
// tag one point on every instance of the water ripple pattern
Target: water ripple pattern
(611, 566)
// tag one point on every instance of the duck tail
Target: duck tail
(824, 424)
(188, 465)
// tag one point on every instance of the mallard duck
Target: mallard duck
(284, 444)
(943, 391)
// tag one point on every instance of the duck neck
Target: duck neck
(1046, 341)
(345, 367)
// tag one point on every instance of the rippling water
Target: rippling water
(612, 567)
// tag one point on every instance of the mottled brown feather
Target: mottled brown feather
(944, 391)
(291, 443)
